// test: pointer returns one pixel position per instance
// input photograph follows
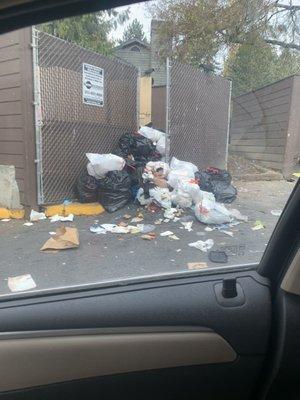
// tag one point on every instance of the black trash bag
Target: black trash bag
(218, 182)
(223, 192)
(143, 147)
(86, 188)
(203, 178)
(114, 190)
(219, 174)
(126, 143)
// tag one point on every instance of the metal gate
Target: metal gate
(197, 115)
(67, 127)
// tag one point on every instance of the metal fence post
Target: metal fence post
(168, 105)
(138, 98)
(228, 126)
(37, 114)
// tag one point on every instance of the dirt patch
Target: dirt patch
(247, 170)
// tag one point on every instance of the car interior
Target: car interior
(229, 333)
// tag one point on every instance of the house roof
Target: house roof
(131, 42)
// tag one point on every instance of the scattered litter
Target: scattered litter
(21, 283)
(229, 233)
(122, 224)
(96, 228)
(136, 219)
(153, 207)
(166, 233)
(149, 236)
(52, 233)
(158, 221)
(112, 228)
(63, 263)
(208, 229)
(277, 213)
(178, 250)
(5, 220)
(127, 216)
(28, 224)
(187, 225)
(257, 225)
(131, 252)
(218, 256)
(197, 265)
(234, 223)
(140, 215)
(297, 174)
(175, 219)
(37, 216)
(59, 218)
(174, 237)
(170, 213)
(166, 220)
(237, 215)
(65, 238)
(202, 245)
(67, 202)
(145, 228)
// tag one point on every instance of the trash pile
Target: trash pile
(136, 172)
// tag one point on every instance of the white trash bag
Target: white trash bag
(191, 187)
(178, 164)
(210, 212)
(161, 144)
(162, 196)
(141, 198)
(181, 198)
(100, 164)
(150, 133)
(155, 165)
(176, 175)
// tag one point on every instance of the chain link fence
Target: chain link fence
(197, 115)
(66, 127)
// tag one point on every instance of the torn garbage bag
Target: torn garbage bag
(114, 190)
(100, 164)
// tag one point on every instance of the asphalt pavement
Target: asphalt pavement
(102, 258)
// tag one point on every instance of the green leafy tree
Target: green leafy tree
(255, 64)
(89, 30)
(251, 65)
(196, 31)
(134, 30)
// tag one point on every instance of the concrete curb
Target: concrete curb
(13, 214)
(75, 209)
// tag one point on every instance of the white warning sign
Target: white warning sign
(92, 85)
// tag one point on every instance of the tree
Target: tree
(89, 30)
(198, 30)
(134, 31)
(253, 65)
(250, 66)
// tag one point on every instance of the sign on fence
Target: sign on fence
(92, 85)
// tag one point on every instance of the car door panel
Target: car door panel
(213, 339)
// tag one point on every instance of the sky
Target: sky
(138, 11)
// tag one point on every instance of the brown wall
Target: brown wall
(159, 107)
(260, 121)
(17, 145)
